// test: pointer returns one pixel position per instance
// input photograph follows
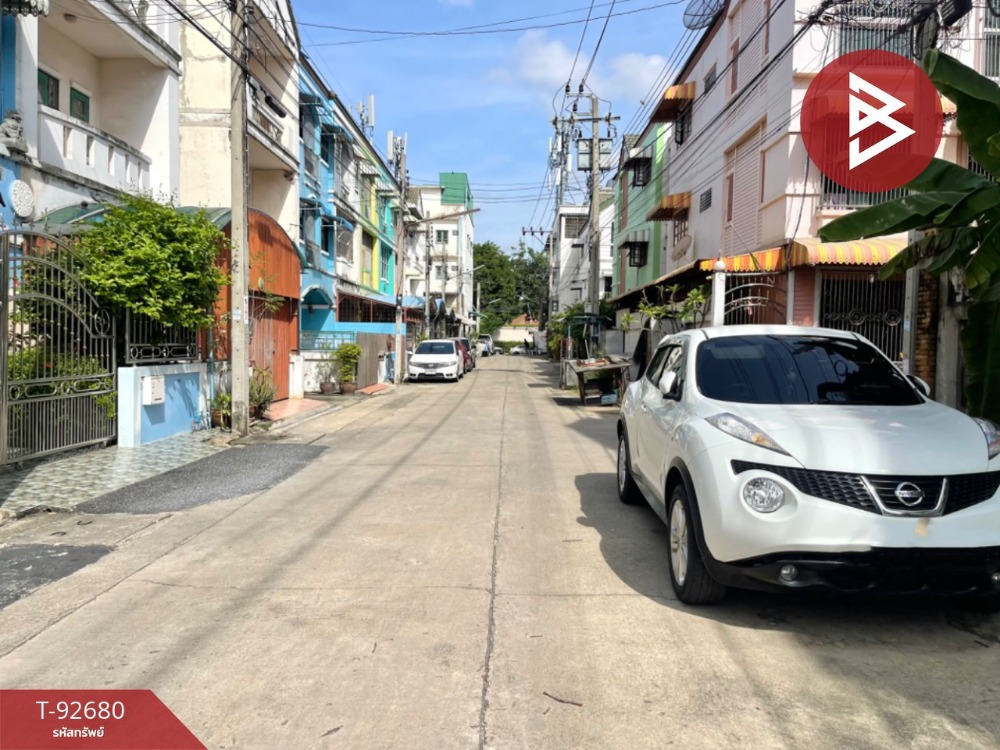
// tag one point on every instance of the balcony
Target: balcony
(267, 149)
(82, 150)
(838, 198)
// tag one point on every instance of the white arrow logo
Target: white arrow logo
(863, 115)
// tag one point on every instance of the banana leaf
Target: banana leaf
(981, 347)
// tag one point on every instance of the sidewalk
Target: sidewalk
(62, 482)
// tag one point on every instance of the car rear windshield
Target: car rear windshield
(435, 347)
(799, 370)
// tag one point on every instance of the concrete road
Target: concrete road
(453, 570)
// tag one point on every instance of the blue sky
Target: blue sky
(482, 103)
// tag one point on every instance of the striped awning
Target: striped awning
(673, 99)
(772, 259)
(634, 238)
(669, 206)
(876, 251)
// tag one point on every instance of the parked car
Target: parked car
(487, 342)
(785, 457)
(436, 359)
(467, 362)
(519, 349)
(471, 349)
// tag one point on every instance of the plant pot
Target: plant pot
(327, 388)
(348, 388)
(220, 419)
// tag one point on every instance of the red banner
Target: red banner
(104, 719)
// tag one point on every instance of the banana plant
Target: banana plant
(958, 214)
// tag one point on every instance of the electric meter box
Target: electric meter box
(153, 390)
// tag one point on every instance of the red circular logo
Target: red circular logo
(871, 120)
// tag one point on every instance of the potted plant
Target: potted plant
(347, 359)
(325, 371)
(262, 392)
(222, 409)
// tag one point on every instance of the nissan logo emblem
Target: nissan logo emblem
(909, 494)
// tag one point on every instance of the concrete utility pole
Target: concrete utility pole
(239, 337)
(593, 291)
(399, 158)
(427, 282)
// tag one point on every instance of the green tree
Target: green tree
(531, 271)
(498, 287)
(959, 213)
(154, 260)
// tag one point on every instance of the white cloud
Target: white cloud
(543, 65)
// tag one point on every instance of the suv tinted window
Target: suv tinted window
(799, 370)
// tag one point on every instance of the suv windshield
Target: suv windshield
(435, 347)
(799, 370)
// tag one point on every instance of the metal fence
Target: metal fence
(149, 342)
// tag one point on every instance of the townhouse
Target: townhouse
(718, 188)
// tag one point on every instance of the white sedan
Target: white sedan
(785, 457)
(436, 359)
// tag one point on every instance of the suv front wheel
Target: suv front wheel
(691, 580)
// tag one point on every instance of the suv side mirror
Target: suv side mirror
(669, 385)
(920, 384)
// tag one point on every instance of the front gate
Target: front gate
(755, 297)
(860, 302)
(59, 363)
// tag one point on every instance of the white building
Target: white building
(576, 266)
(272, 110)
(739, 187)
(566, 285)
(448, 236)
(97, 88)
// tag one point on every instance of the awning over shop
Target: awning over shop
(772, 259)
(871, 252)
(808, 251)
(669, 206)
(355, 290)
(673, 99)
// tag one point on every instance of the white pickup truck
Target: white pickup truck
(487, 341)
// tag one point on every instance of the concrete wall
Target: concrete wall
(186, 396)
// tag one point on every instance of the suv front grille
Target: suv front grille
(963, 490)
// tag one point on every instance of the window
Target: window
(705, 201)
(383, 264)
(642, 172)
(637, 253)
(680, 226)
(607, 286)
(991, 46)
(855, 38)
(441, 236)
(730, 197)
(656, 364)
(710, 78)
(734, 66)
(79, 105)
(682, 128)
(574, 227)
(435, 347)
(48, 90)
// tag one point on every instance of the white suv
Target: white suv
(790, 457)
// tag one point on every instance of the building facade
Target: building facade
(92, 89)
(736, 190)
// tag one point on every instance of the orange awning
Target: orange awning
(760, 260)
(876, 251)
(673, 99)
(669, 206)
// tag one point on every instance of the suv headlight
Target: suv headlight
(992, 434)
(744, 430)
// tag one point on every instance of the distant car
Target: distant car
(472, 350)
(468, 364)
(786, 457)
(519, 349)
(487, 342)
(436, 359)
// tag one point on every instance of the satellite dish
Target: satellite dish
(700, 14)
(22, 198)
(682, 247)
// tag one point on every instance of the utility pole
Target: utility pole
(593, 298)
(239, 337)
(399, 159)
(479, 303)
(427, 282)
